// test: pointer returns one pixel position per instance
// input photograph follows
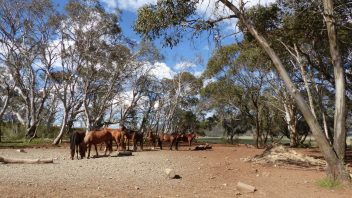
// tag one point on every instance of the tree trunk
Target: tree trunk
(0, 130)
(31, 130)
(340, 100)
(335, 169)
(291, 122)
(63, 128)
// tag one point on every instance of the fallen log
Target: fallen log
(25, 161)
(124, 153)
(203, 147)
(200, 147)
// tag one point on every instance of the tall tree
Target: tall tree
(26, 31)
(168, 19)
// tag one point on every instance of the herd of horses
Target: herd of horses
(81, 142)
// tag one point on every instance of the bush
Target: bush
(329, 183)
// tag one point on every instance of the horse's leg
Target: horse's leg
(89, 146)
(141, 142)
(128, 144)
(76, 148)
(171, 144)
(176, 142)
(96, 150)
(117, 144)
(134, 141)
(108, 145)
(160, 144)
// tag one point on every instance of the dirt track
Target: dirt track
(211, 173)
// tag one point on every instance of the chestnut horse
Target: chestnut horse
(188, 138)
(173, 138)
(97, 137)
(77, 144)
(117, 135)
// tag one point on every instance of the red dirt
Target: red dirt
(210, 173)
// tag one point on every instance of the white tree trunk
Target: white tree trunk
(340, 100)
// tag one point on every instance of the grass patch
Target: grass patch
(329, 183)
(21, 143)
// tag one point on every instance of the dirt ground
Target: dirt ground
(210, 173)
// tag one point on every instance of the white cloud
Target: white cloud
(185, 65)
(131, 5)
(161, 70)
(205, 7)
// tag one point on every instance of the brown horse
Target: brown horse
(152, 138)
(117, 136)
(77, 144)
(188, 138)
(136, 138)
(97, 137)
(173, 138)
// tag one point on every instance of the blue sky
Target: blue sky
(188, 51)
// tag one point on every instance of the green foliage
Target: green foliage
(21, 143)
(169, 20)
(329, 183)
(222, 61)
(16, 131)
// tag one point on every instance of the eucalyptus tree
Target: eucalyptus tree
(6, 90)
(101, 59)
(179, 93)
(142, 83)
(26, 30)
(169, 19)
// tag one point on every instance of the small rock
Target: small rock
(266, 174)
(242, 187)
(212, 177)
(224, 184)
(21, 150)
(136, 187)
(170, 173)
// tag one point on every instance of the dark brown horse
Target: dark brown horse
(152, 138)
(134, 136)
(97, 137)
(173, 138)
(77, 144)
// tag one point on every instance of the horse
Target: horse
(136, 138)
(151, 138)
(173, 138)
(117, 136)
(96, 137)
(77, 144)
(188, 138)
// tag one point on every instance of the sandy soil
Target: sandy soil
(210, 173)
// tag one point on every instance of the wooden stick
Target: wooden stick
(25, 161)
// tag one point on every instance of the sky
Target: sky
(191, 54)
